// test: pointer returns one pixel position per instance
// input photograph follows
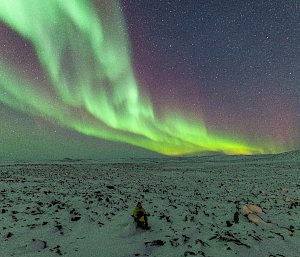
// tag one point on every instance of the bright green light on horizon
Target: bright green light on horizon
(84, 52)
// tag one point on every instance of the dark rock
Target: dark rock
(59, 226)
(185, 238)
(236, 217)
(155, 242)
(39, 244)
(201, 242)
(228, 223)
(187, 253)
(9, 235)
(75, 218)
(174, 242)
(40, 203)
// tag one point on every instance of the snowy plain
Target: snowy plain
(213, 206)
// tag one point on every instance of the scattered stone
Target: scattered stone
(9, 235)
(155, 242)
(228, 223)
(228, 237)
(236, 217)
(185, 238)
(187, 253)
(174, 242)
(201, 242)
(39, 244)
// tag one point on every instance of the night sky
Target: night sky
(102, 79)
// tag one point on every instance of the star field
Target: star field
(235, 63)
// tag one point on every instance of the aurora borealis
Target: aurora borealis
(85, 67)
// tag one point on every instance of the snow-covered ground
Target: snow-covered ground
(199, 206)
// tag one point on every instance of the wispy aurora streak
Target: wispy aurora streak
(84, 52)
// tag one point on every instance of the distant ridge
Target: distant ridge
(293, 155)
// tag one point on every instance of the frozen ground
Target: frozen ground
(215, 206)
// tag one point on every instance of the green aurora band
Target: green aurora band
(90, 87)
